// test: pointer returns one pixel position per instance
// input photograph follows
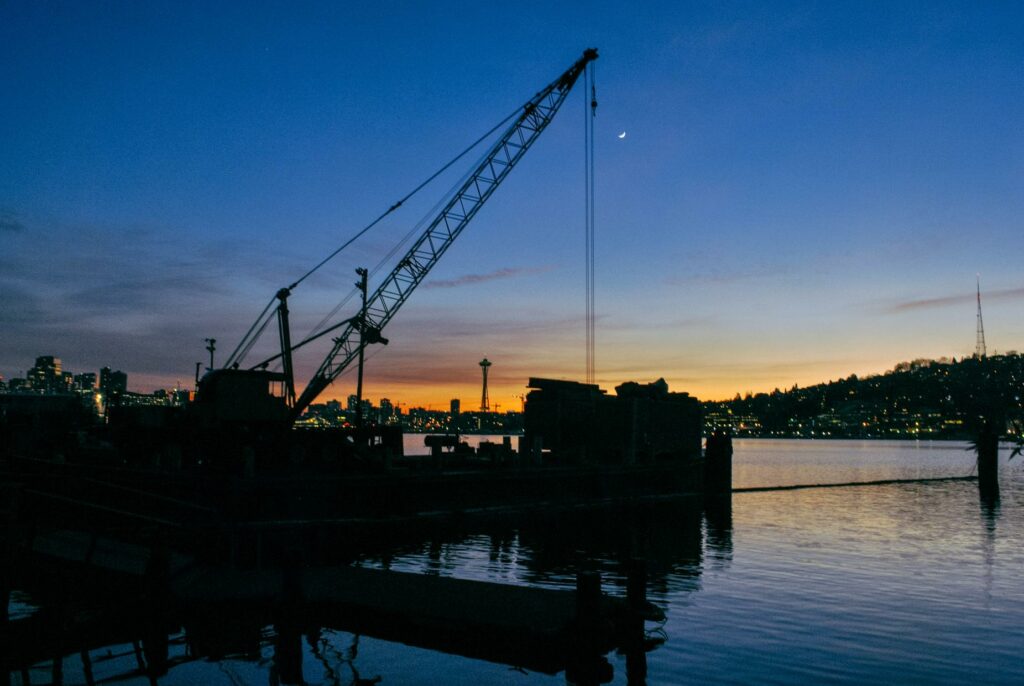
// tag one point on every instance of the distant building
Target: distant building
(46, 376)
(456, 407)
(387, 410)
(85, 382)
(113, 382)
(181, 396)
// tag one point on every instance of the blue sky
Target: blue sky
(805, 190)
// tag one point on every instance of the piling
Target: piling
(588, 599)
(288, 640)
(718, 463)
(633, 640)
(987, 445)
(87, 668)
(288, 653)
(636, 583)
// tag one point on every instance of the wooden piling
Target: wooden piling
(636, 583)
(588, 598)
(718, 462)
(633, 639)
(987, 446)
(57, 673)
(87, 668)
(288, 652)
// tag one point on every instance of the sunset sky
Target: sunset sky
(804, 191)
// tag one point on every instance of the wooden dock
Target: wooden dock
(544, 630)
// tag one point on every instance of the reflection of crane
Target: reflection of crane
(379, 307)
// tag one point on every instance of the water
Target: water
(910, 583)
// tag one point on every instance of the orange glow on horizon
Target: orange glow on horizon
(720, 383)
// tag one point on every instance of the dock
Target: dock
(538, 629)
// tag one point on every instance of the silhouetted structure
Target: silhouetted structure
(113, 382)
(979, 346)
(987, 446)
(485, 401)
(718, 463)
(641, 423)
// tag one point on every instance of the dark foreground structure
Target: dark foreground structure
(95, 591)
(196, 540)
(641, 424)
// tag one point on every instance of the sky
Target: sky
(805, 190)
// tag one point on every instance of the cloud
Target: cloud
(10, 223)
(731, 276)
(470, 279)
(948, 300)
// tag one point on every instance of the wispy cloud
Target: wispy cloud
(949, 300)
(470, 279)
(731, 276)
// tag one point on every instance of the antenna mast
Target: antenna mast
(979, 347)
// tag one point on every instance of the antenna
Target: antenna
(979, 347)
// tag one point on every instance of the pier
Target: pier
(538, 629)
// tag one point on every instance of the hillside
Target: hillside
(920, 399)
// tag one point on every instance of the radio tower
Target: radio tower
(485, 404)
(979, 348)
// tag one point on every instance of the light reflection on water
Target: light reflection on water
(783, 462)
(905, 582)
(915, 582)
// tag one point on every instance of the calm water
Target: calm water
(918, 583)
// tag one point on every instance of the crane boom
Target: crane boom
(442, 231)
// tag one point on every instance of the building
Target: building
(456, 407)
(642, 423)
(85, 382)
(112, 382)
(46, 376)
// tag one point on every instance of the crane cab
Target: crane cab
(235, 397)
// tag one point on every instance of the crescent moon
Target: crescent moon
(622, 135)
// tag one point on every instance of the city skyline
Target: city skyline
(801, 195)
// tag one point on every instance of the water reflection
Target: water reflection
(990, 506)
(718, 523)
(914, 583)
(286, 640)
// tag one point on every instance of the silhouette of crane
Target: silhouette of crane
(380, 307)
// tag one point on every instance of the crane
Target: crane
(381, 306)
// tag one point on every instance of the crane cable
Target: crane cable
(321, 328)
(257, 328)
(590, 113)
(411, 193)
(244, 345)
(414, 231)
